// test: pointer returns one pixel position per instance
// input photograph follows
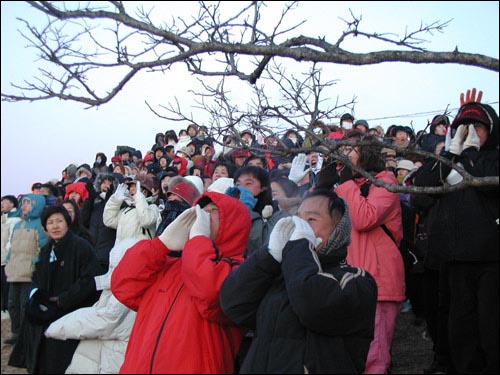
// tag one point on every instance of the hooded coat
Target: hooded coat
(180, 327)
(463, 242)
(311, 314)
(462, 224)
(27, 238)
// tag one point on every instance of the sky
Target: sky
(39, 139)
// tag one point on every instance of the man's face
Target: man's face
(312, 158)
(256, 162)
(247, 139)
(213, 210)
(251, 183)
(315, 212)
(45, 191)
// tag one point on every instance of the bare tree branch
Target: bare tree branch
(140, 44)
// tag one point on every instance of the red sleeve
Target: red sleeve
(138, 270)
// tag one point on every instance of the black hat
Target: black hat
(439, 120)
(124, 151)
(40, 310)
(347, 116)
(36, 185)
(362, 123)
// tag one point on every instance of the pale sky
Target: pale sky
(40, 139)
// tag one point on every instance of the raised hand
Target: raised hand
(176, 234)
(470, 97)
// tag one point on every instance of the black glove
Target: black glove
(90, 188)
(345, 174)
(328, 176)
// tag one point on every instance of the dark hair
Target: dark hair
(52, 188)
(253, 157)
(370, 155)
(13, 199)
(192, 169)
(265, 197)
(229, 166)
(77, 226)
(171, 134)
(290, 188)
(54, 209)
(335, 202)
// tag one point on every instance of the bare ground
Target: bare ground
(411, 352)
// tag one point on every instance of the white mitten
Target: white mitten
(176, 234)
(121, 192)
(298, 171)
(138, 191)
(472, 139)
(457, 142)
(454, 177)
(304, 230)
(201, 226)
(279, 236)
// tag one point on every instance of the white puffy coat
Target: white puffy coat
(139, 220)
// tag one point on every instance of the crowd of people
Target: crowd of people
(189, 260)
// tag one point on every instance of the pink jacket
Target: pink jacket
(371, 248)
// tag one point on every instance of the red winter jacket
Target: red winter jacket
(371, 248)
(180, 327)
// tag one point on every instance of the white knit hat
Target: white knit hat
(221, 185)
(197, 182)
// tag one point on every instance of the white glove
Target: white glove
(298, 171)
(279, 236)
(304, 230)
(447, 140)
(138, 191)
(121, 192)
(454, 177)
(472, 139)
(201, 226)
(319, 165)
(176, 234)
(457, 142)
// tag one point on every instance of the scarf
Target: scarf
(339, 239)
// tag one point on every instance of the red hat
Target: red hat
(116, 159)
(186, 191)
(147, 158)
(239, 153)
(471, 113)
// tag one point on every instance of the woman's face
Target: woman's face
(71, 210)
(56, 226)
(440, 129)
(220, 171)
(277, 191)
(251, 183)
(352, 153)
(75, 196)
